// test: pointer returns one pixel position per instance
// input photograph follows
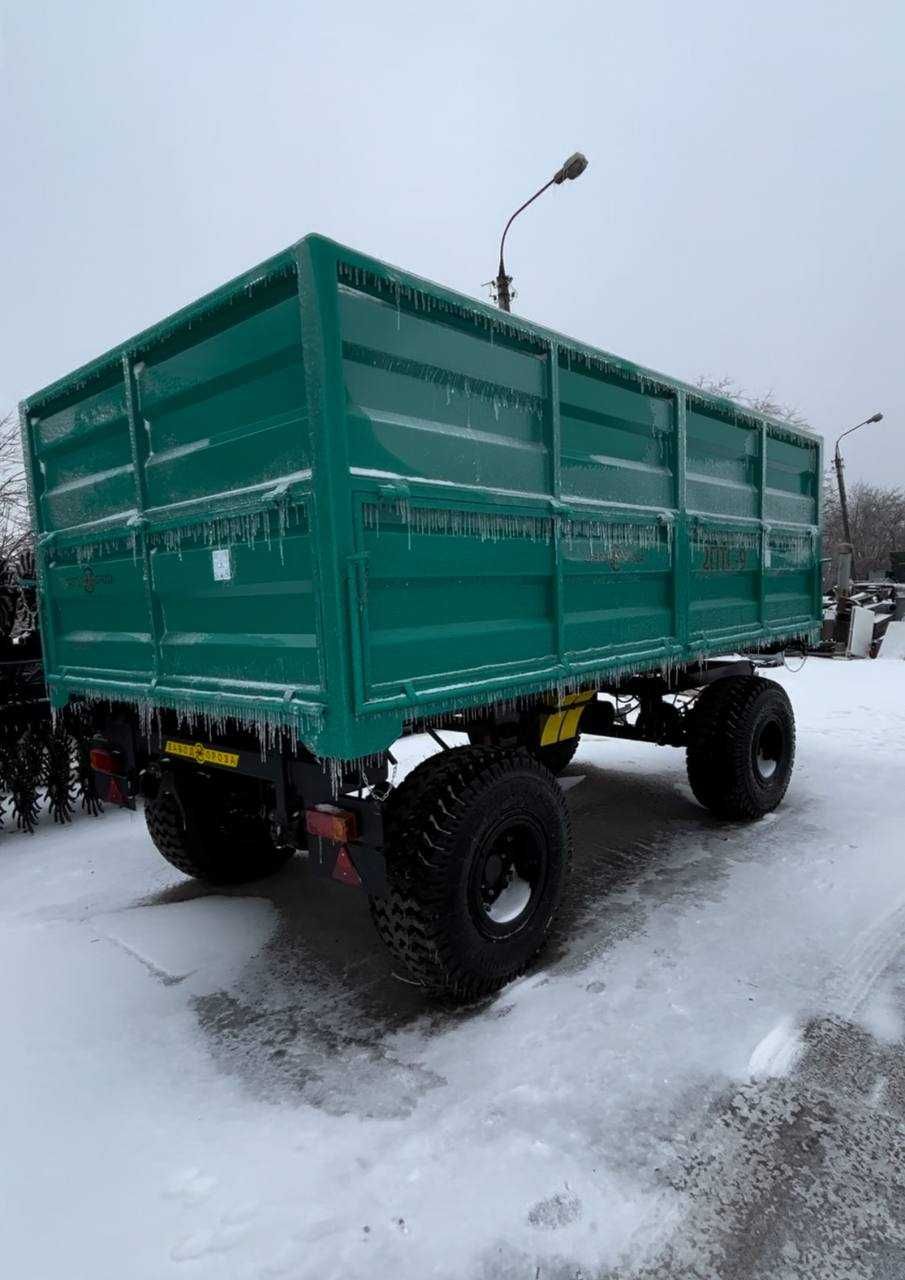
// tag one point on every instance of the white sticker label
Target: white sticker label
(223, 565)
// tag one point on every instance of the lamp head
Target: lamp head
(573, 168)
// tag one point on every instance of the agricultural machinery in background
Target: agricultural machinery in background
(43, 758)
(863, 618)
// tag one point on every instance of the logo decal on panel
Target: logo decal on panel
(88, 580)
(201, 754)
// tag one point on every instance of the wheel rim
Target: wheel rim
(768, 750)
(508, 877)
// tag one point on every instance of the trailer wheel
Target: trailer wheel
(205, 833)
(478, 848)
(556, 757)
(741, 746)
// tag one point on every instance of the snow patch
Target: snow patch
(566, 784)
(210, 939)
(778, 1053)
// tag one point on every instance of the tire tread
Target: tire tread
(718, 745)
(421, 821)
(216, 862)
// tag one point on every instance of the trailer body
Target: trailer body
(334, 498)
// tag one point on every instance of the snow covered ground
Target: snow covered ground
(703, 1076)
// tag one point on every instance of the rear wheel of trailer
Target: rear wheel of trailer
(478, 850)
(213, 828)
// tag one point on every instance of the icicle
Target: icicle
(104, 547)
(709, 538)
(488, 526)
(794, 550)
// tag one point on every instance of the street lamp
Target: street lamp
(575, 165)
(840, 478)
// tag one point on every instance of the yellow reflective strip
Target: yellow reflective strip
(550, 727)
(570, 723)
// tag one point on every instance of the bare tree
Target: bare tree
(877, 520)
(763, 402)
(14, 523)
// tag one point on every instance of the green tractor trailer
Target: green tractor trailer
(332, 504)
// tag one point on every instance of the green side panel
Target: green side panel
(99, 612)
(172, 488)
(792, 578)
(257, 626)
(84, 458)
(723, 464)
(792, 482)
(443, 605)
(335, 497)
(618, 595)
(724, 585)
(432, 401)
(618, 441)
(226, 408)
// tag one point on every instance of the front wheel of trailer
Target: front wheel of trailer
(478, 848)
(741, 747)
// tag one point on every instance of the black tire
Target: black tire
(741, 746)
(556, 757)
(205, 836)
(478, 848)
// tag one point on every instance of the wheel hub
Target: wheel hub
(510, 875)
(768, 750)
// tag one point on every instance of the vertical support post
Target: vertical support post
(681, 558)
(818, 526)
(332, 521)
(555, 420)
(139, 450)
(43, 542)
(764, 565)
(843, 506)
(503, 296)
(554, 437)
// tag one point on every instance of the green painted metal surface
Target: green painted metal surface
(332, 496)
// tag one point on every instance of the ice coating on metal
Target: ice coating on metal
(796, 548)
(491, 526)
(486, 526)
(269, 725)
(726, 539)
(243, 529)
(321, 375)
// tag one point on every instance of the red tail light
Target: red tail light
(330, 823)
(104, 761)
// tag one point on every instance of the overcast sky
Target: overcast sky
(742, 214)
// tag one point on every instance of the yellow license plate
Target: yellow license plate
(201, 754)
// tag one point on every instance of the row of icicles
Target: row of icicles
(796, 548)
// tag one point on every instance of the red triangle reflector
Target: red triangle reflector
(343, 869)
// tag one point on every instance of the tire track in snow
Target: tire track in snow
(866, 960)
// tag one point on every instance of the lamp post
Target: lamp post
(575, 165)
(840, 479)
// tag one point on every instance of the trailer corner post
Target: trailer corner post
(317, 262)
(681, 559)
